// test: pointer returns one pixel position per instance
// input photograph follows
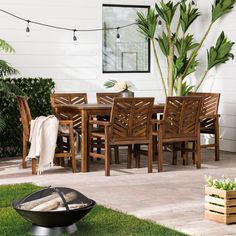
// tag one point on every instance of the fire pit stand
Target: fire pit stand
(51, 231)
(54, 222)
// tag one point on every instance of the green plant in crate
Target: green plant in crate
(6, 89)
(224, 183)
(179, 46)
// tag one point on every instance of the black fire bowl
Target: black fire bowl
(54, 222)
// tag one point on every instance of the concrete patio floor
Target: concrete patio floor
(174, 198)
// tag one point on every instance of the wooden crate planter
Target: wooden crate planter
(220, 205)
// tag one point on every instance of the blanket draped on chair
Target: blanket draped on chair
(43, 138)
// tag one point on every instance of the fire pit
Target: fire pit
(53, 211)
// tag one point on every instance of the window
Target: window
(124, 48)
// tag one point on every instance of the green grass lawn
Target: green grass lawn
(100, 221)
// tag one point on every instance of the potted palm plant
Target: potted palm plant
(6, 88)
(178, 46)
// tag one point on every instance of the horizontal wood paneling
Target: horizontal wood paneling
(78, 67)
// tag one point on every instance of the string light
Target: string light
(117, 35)
(27, 29)
(64, 28)
(74, 36)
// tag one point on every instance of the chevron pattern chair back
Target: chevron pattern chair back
(210, 118)
(68, 98)
(130, 119)
(106, 98)
(181, 117)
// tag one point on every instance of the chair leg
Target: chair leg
(174, 155)
(116, 153)
(107, 158)
(150, 157)
(198, 154)
(98, 148)
(217, 144)
(34, 165)
(184, 146)
(154, 146)
(193, 153)
(24, 153)
(137, 155)
(160, 156)
(129, 156)
(72, 150)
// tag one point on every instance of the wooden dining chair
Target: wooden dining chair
(130, 123)
(61, 114)
(180, 124)
(25, 117)
(210, 119)
(68, 98)
(107, 98)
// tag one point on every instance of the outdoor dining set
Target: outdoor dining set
(131, 122)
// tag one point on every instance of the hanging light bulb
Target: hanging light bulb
(74, 36)
(117, 35)
(28, 29)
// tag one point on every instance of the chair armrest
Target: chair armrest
(157, 122)
(209, 116)
(66, 122)
(99, 122)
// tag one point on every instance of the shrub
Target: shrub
(38, 90)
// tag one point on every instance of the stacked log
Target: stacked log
(52, 202)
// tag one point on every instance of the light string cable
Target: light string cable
(64, 28)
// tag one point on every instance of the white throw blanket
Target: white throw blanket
(43, 138)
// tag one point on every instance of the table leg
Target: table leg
(84, 133)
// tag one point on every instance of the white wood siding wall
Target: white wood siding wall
(51, 53)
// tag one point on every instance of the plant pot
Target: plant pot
(220, 205)
(127, 94)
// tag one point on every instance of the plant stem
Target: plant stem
(158, 66)
(177, 31)
(200, 82)
(179, 86)
(194, 53)
(170, 59)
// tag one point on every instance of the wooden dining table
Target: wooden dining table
(88, 110)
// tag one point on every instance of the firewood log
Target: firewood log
(54, 203)
(31, 204)
(71, 207)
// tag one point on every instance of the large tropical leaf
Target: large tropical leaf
(6, 69)
(163, 43)
(192, 66)
(180, 64)
(4, 46)
(110, 83)
(186, 88)
(167, 10)
(187, 15)
(185, 44)
(220, 8)
(147, 24)
(221, 52)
